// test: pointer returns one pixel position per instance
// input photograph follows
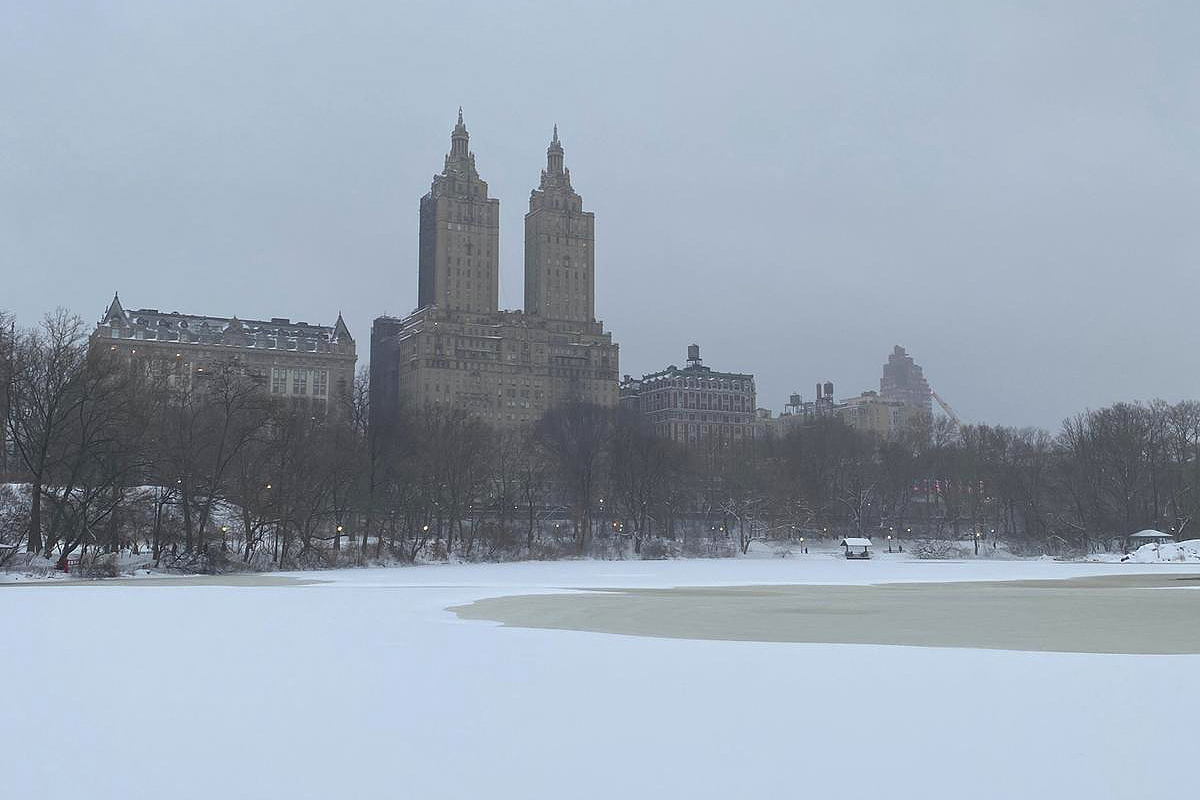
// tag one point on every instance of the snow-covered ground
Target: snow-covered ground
(366, 686)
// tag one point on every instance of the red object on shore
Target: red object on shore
(61, 566)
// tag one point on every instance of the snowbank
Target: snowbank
(1186, 551)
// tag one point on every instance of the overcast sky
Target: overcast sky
(1010, 190)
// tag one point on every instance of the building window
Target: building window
(299, 381)
(278, 381)
(320, 382)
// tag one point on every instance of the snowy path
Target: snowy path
(366, 687)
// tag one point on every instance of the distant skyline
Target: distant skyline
(1011, 193)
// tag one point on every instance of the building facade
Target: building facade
(695, 403)
(507, 368)
(293, 361)
(457, 349)
(904, 381)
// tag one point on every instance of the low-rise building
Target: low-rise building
(294, 361)
(695, 403)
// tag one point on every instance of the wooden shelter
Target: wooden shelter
(857, 547)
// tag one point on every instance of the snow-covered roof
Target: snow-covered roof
(855, 541)
(1149, 533)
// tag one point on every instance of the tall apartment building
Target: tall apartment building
(694, 404)
(459, 245)
(903, 380)
(293, 361)
(559, 246)
(457, 349)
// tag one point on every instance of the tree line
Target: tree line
(211, 473)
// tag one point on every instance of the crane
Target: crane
(946, 407)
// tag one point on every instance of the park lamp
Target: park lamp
(339, 529)
(425, 529)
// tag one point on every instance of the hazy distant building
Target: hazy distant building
(798, 408)
(293, 361)
(870, 412)
(694, 404)
(457, 349)
(867, 412)
(798, 411)
(905, 382)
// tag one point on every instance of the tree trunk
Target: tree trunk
(34, 545)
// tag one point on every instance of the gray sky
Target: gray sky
(1008, 189)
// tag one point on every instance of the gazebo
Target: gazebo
(857, 547)
(1149, 536)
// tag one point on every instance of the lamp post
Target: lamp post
(977, 535)
(803, 549)
(889, 543)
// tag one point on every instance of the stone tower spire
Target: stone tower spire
(459, 138)
(554, 155)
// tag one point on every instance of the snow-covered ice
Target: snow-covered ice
(365, 686)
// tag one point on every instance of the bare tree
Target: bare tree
(45, 364)
(574, 437)
(641, 466)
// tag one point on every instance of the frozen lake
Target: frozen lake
(1120, 614)
(360, 683)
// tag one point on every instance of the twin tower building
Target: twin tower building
(459, 349)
